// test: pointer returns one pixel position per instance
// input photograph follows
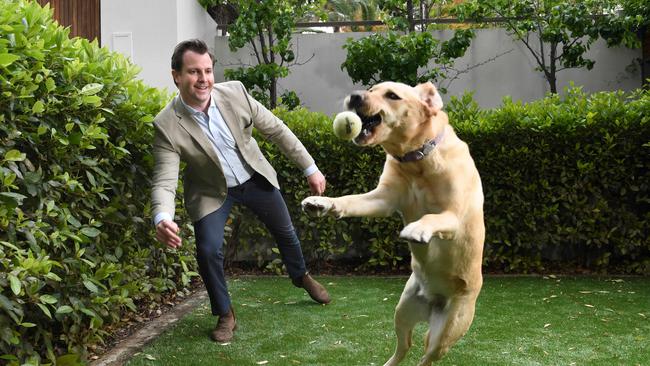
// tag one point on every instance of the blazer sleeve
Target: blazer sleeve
(276, 131)
(165, 173)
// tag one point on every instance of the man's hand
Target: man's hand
(317, 183)
(167, 233)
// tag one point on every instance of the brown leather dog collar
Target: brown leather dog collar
(423, 151)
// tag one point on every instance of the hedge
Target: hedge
(566, 183)
(76, 244)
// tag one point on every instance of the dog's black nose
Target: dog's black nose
(355, 100)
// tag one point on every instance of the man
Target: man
(209, 127)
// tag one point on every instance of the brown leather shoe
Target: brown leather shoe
(226, 325)
(315, 290)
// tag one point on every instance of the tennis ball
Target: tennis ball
(347, 125)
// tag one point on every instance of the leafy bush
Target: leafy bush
(368, 63)
(566, 180)
(76, 244)
(566, 183)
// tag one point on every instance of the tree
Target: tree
(368, 62)
(409, 15)
(557, 33)
(351, 10)
(632, 28)
(266, 26)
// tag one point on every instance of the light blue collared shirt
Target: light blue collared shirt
(234, 167)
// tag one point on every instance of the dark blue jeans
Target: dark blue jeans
(267, 203)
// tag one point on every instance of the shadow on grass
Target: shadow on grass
(519, 321)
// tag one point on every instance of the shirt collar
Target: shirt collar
(193, 111)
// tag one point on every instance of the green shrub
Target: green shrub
(566, 183)
(566, 180)
(76, 244)
(348, 169)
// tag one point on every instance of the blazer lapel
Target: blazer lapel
(229, 116)
(187, 122)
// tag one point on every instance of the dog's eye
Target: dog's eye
(393, 96)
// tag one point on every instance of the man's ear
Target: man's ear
(429, 95)
(175, 75)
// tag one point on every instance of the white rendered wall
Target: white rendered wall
(155, 27)
(322, 85)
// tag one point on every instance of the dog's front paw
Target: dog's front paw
(317, 206)
(423, 234)
(417, 232)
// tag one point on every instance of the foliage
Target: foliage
(266, 26)
(566, 183)
(76, 245)
(556, 33)
(409, 15)
(410, 54)
(566, 180)
(351, 10)
(368, 62)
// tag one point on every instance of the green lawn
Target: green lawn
(519, 321)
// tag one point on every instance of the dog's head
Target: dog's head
(393, 111)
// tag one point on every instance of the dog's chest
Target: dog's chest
(423, 196)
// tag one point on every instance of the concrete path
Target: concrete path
(124, 350)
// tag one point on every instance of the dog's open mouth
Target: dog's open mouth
(368, 124)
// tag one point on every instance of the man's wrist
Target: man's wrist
(160, 217)
(310, 170)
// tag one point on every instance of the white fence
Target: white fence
(498, 67)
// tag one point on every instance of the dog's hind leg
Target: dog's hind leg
(411, 309)
(447, 325)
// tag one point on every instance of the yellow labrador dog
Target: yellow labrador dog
(430, 178)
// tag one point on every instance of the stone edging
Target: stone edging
(123, 351)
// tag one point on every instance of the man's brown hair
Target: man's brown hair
(194, 45)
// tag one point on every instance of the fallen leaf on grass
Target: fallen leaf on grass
(547, 325)
(225, 344)
(589, 305)
(149, 357)
(262, 362)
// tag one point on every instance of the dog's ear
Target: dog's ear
(430, 96)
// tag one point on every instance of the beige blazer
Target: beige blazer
(178, 138)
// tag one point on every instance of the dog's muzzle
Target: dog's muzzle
(368, 124)
(355, 102)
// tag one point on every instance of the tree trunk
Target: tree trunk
(273, 93)
(645, 58)
(552, 75)
(409, 15)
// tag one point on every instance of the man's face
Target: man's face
(195, 80)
